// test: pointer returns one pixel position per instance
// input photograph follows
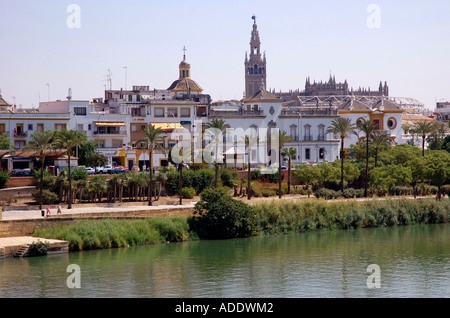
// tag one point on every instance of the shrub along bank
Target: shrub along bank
(219, 216)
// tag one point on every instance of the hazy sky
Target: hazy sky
(406, 44)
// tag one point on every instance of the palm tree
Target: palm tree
(423, 129)
(249, 142)
(217, 127)
(289, 153)
(41, 142)
(367, 127)
(152, 134)
(342, 127)
(282, 138)
(69, 140)
(379, 139)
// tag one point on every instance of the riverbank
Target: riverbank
(273, 217)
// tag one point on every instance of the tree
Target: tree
(5, 144)
(436, 138)
(96, 159)
(378, 140)
(41, 142)
(152, 134)
(437, 167)
(216, 128)
(280, 138)
(418, 169)
(423, 129)
(367, 127)
(391, 175)
(290, 154)
(69, 140)
(309, 175)
(89, 147)
(342, 127)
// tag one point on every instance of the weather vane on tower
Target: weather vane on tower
(254, 18)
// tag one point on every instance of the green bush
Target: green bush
(4, 178)
(228, 177)
(326, 194)
(48, 197)
(38, 248)
(188, 193)
(219, 216)
(198, 179)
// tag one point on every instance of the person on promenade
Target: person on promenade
(48, 210)
(59, 209)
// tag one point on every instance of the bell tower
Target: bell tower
(255, 65)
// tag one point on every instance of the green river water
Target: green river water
(413, 262)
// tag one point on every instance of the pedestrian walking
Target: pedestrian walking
(59, 209)
(48, 210)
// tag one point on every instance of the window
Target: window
(130, 98)
(159, 112)
(143, 127)
(294, 132)
(40, 127)
(80, 127)
(134, 128)
(79, 111)
(392, 123)
(307, 154)
(30, 126)
(307, 133)
(19, 144)
(19, 130)
(2, 128)
(322, 153)
(321, 132)
(185, 112)
(117, 143)
(60, 126)
(101, 143)
(172, 112)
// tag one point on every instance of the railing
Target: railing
(238, 112)
(309, 112)
(21, 134)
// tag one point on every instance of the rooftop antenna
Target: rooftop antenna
(48, 90)
(70, 95)
(126, 71)
(109, 78)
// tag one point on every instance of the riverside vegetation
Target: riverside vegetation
(219, 216)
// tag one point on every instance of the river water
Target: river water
(413, 262)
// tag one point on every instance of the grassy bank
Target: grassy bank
(110, 233)
(272, 217)
(286, 217)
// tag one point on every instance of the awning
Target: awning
(167, 126)
(109, 123)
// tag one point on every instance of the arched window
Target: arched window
(187, 73)
(260, 71)
(256, 69)
(183, 74)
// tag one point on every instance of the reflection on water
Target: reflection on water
(414, 262)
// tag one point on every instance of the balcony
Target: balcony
(20, 134)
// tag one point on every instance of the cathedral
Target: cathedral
(256, 70)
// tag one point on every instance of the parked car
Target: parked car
(90, 170)
(107, 169)
(118, 170)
